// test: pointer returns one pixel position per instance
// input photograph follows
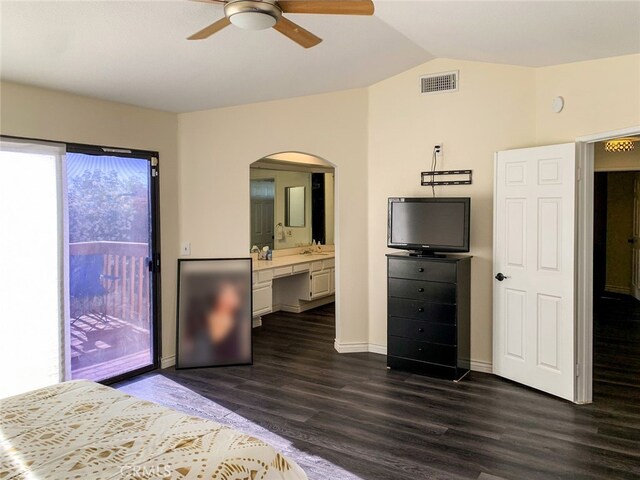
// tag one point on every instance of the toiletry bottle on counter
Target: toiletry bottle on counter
(270, 255)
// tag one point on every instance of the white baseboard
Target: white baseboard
(257, 322)
(350, 347)
(359, 347)
(478, 366)
(167, 362)
(616, 289)
(379, 349)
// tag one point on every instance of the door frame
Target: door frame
(153, 158)
(584, 262)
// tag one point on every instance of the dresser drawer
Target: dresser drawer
(426, 352)
(429, 312)
(428, 291)
(422, 331)
(420, 270)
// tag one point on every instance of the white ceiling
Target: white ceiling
(135, 52)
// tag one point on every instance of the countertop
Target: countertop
(291, 260)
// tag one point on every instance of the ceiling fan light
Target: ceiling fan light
(251, 20)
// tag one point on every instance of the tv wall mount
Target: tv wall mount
(446, 177)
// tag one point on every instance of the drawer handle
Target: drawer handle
(421, 290)
(421, 330)
(421, 270)
(420, 349)
(420, 309)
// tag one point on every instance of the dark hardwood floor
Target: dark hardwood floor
(380, 424)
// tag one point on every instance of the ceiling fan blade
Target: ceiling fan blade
(335, 7)
(206, 32)
(296, 33)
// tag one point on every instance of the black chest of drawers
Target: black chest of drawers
(428, 314)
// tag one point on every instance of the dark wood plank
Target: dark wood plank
(380, 424)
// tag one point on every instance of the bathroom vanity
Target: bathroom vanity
(292, 283)
(292, 209)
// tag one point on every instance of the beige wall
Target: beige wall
(497, 107)
(600, 95)
(216, 148)
(493, 110)
(51, 115)
(619, 230)
(379, 138)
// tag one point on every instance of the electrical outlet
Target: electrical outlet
(185, 249)
(289, 233)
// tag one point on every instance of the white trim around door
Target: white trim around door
(584, 280)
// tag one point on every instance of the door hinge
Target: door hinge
(154, 161)
(577, 369)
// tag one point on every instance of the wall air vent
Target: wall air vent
(439, 82)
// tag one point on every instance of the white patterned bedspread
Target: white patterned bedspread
(82, 430)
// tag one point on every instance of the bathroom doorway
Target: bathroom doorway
(292, 245)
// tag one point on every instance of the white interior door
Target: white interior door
(534, 264)
(635, 267)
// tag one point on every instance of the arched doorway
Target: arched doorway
(293, 214)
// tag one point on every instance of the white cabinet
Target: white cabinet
(320, 284)
(293, 287)
(262, 299)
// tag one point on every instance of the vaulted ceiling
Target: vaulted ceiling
(136, 52)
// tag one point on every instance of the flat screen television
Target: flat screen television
(427, 225)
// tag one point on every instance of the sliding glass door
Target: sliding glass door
(111, 258)
(79, 263)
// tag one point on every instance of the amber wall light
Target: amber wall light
(620, 145)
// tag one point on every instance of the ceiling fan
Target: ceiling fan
(262, 14)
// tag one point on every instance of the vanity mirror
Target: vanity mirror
(291, 204)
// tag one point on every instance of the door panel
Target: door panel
(110, 251)
(534, 248)
(30, 275)
(321, 284)
(262, 212)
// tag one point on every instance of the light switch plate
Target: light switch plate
(185, 249)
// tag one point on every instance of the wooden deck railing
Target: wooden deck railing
(125, 276)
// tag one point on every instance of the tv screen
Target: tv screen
(429, 224)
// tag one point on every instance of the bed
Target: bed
(83, 430)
